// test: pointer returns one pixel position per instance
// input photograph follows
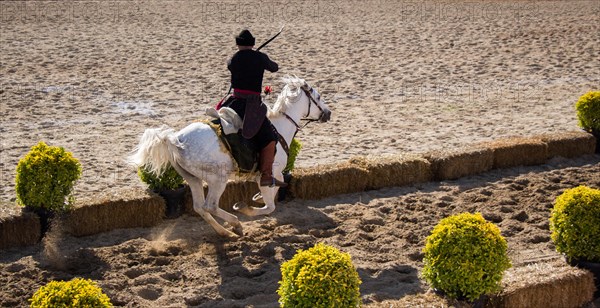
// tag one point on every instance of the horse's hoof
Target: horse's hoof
(239, 206)
(238, 230)
(228, 235)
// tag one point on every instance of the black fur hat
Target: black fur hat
(245, 38)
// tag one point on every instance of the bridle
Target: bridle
(308, 91)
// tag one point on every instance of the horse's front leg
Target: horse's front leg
(268, 193)
(268, 197)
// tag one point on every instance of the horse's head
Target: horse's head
(317, 109)
(300, 101)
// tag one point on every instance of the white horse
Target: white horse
(198, 155)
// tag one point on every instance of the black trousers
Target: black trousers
(266, 133)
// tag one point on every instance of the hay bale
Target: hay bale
(21, 229)
(396, 170)
(456, 163)
(328, 180)
(569, 144)
(123, 209)
(188, 204)
(516, 151)
(546, 285)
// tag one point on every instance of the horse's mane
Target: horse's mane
(290, 91)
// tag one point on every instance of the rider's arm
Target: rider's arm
(270, 65)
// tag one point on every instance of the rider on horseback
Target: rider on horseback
(247, 67)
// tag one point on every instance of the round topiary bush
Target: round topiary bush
(45, 178)
(75, 293)
(465, 257)
(588, 111)
(321, 276)
(169, 180)
(575, 223)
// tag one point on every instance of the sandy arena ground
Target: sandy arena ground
(399, 77)
(183, 262)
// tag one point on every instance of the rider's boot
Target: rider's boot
(267, 157)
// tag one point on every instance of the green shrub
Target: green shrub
(321, 276)
(465, 256)
(170, 179)
(588, 111)
(575, 223)
(75, 293)
(295, 148)
(45, 178)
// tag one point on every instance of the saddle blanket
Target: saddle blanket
(227, 125)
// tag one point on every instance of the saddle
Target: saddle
(227, 124)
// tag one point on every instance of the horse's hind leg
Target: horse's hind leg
(199, 206)
(216, 187)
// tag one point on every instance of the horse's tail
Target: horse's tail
(158, 148)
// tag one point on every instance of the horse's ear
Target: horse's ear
(306, 86)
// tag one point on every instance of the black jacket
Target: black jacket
(247, 68)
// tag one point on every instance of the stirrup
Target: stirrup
(273, 182)
(258, 198)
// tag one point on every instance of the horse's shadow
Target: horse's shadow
(390, 283)
(249, 277)
(250, 268)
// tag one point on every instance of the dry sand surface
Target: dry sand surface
(400, 77)
(183, 262)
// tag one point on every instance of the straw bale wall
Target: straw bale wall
(124, 209)
(22, 229)
(396, 170)
(328, 180)
(569, 144)
(456, 163)
(512, 152)
(555, 285)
